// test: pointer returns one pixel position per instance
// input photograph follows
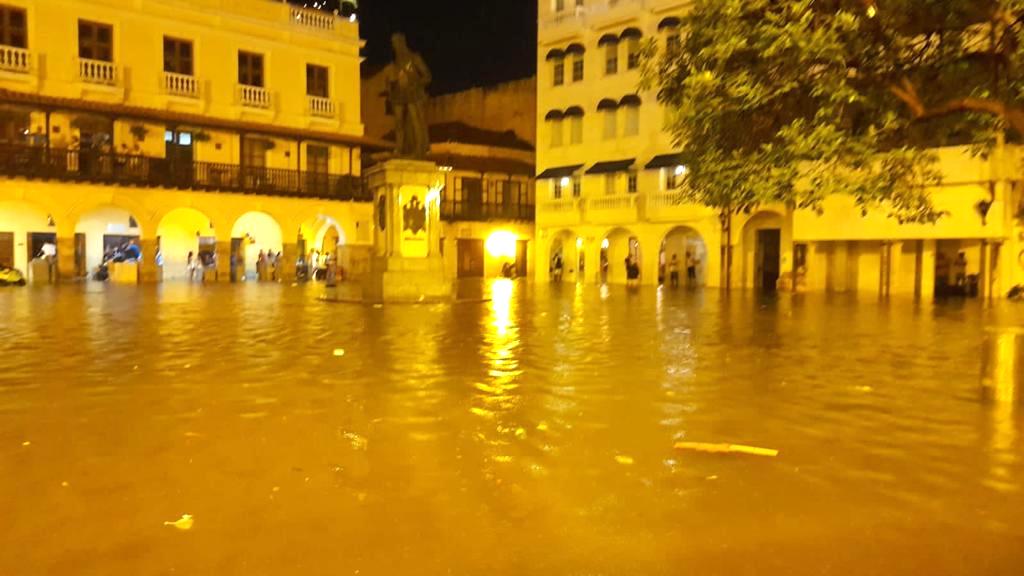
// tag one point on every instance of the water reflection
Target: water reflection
(532, 433)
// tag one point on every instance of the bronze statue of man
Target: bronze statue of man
(407, 90)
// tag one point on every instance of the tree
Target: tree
(790, 101)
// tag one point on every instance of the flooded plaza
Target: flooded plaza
(530, 434)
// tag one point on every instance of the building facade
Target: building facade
(210, 129)
(608, 178)
(487, 204)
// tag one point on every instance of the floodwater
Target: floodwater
(532, 434)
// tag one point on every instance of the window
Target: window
(673, 42)
(556, 133)
(632, 121)
(611, 58)
(95, 41)
(316, 80)
(317, 158)
(13, 27)
(610, 183)
(250, 69)
(577, 184)
(559, 5)
(177, 56)
(633, 53)
(610, 124)
(558, 72)
(255, 155)
(576, 130)
(674, 177)
(577, 68)
(558, 184)
(631, 183)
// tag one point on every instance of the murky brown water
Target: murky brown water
(529, 435)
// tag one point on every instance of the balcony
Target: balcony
(98, 72)
(612, 209)
(462, 211)
(320, 107)
(181, 85)
(254, 97)
(561, 211)
(16, 60)
(312, 18)
(93, 166)
(669, 206)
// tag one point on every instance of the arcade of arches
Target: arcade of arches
(223, 233)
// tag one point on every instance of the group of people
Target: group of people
(692, 262)
(951, 277)
(266, 264)
(194, 264)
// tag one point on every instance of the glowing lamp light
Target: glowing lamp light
(579, 243)
(681, 170)
(502, 244)
(566, 181)
(872, 11)
(433, 195)
(605, 244)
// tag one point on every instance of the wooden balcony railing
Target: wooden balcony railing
(36, 162)
(16, 60)
(182, 85)
(97, 72)
(462, 211)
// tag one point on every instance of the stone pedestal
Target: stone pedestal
(66, 268)
(407, 264)
(286, 264)
(149, 271)
(224, 261)
(123, 272)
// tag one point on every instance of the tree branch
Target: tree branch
(906, 92)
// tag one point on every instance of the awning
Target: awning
(554, 115)
(630, 100)
(666, 161)
(562, 172)
(555, 55)
(670, 22)
(608, 39)
(607, 104)
(573, 111)
(631, 33)
(611, 166)
(574, 49)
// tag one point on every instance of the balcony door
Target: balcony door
(13, 27)
(473, 197)
(317, 162)
(178, 150)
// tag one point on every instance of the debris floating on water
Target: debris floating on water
(339, 352)
(726, 449)
(624, 460)
(26, 443)
(183, 523)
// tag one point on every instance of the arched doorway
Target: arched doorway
(686, 247)
(105, 234)
(566, 259)
(762, 251)
(24, 229)
(185, 231)
(253, 234)
(620, 257)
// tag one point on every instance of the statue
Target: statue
(407, 90)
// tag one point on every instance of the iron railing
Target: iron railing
(36, 162)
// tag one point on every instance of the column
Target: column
(223, 260)
(149, 272)
(592, 251)
(66, 269)
(926, 270)
(649, 265)
(286, 266)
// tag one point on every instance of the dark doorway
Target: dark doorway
(237, 259)
(769, 249)
(522, 250)
(36, 241)
(473, 196)
(179, 154)
(80, 270)
(471, 258)
(7, 249)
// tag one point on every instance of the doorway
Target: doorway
(769, 251)
(36, 241)
(179, 154)
(471, 258)
(522, 247)
(7, 249)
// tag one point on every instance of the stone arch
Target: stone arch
(567, 248)
(688, 246)
(762, 242)
(183, 230)
(24, 224)
(253, 233)
(100, 230)
(618, 244)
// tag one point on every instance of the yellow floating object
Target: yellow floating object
(624, 460)
(183, 523)
(339, 352)
(726, 449)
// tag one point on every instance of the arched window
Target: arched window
(610, 43)
(575, 51)
(609, 108)
(557, 60)
(632, 36)
(575, 116)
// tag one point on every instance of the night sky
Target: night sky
(466, 43)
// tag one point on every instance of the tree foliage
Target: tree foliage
(789, 101)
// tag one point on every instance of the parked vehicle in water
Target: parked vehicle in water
(11, 276)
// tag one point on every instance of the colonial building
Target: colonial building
(216, 129)
(608, 179)
(483, 139)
